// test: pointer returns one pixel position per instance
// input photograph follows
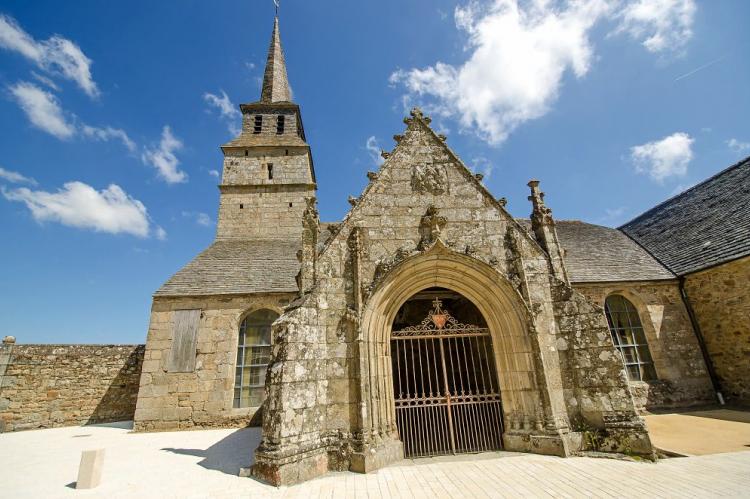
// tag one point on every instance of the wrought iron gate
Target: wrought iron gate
(446, 390)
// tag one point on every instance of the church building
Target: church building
(429, 320)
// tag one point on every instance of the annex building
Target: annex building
(429, 320)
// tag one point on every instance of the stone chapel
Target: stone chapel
(428, 321)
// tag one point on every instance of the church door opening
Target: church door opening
(444, 376)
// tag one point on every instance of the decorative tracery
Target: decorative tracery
(439, 322)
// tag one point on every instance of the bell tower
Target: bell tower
(268, 169)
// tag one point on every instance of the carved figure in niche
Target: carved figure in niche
(429, 179)
(430, 227)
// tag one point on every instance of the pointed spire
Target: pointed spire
(275, 81)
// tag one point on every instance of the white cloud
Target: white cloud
(45, 81)
(373, 149)
(227, 111)
(214, 173)
(518, 53)
(44, 112)
(660, 25)
(79, 205)
(664, 158)
(56, 55)
(43, 109)
(738, 146)
(108, 133)
(163, 158)
(160, 233)
(199, 218)
(518, 56)
(15, 177)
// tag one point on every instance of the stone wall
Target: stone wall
(720, 297)
(423, 221)
(46, 386)
(203, 397)
(262, 212)
(683, 378)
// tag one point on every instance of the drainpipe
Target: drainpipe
(701, 341)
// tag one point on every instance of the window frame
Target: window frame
(629, 338)
(261, 318)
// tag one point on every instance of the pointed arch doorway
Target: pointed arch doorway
(446, 389)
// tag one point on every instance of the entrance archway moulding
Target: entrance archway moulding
(526, 406)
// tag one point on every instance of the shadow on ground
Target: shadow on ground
(228, 455)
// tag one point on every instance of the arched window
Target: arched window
(628, 337)
(253, 354)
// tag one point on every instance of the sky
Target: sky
(112, 114)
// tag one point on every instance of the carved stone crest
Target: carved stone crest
(429, 179)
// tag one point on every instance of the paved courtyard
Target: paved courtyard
(44, 463)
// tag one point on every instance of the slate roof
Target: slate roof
(594, 253)
(237, 267)
(704, 226)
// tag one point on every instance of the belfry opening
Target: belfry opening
(446, 387)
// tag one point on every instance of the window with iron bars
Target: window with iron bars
(629, 338)
(253, 355)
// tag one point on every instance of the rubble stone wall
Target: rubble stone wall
(204, 397)
(424, 220)
(720, 298)
(47, 386)
(683, 378)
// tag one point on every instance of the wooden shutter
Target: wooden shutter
(184, 339)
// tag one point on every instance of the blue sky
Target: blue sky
(112, 114)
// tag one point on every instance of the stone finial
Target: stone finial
(398, 138)
(352, 200)
(371, 176)
(9, 340)
(442, 137)
(502, 202)
(540, 212)
(385, 154)
(416, 114)
(311, 207)
(479, 176)
(544, 230)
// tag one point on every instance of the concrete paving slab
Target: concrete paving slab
(43, 463)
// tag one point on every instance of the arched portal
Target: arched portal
(525, 404)
(446, 390)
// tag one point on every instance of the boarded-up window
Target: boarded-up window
(184, 339)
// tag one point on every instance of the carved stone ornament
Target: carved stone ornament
(430, 227)
(429, 179)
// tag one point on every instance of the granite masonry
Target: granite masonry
(46, 386)
(540, 335)
(292, 323)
